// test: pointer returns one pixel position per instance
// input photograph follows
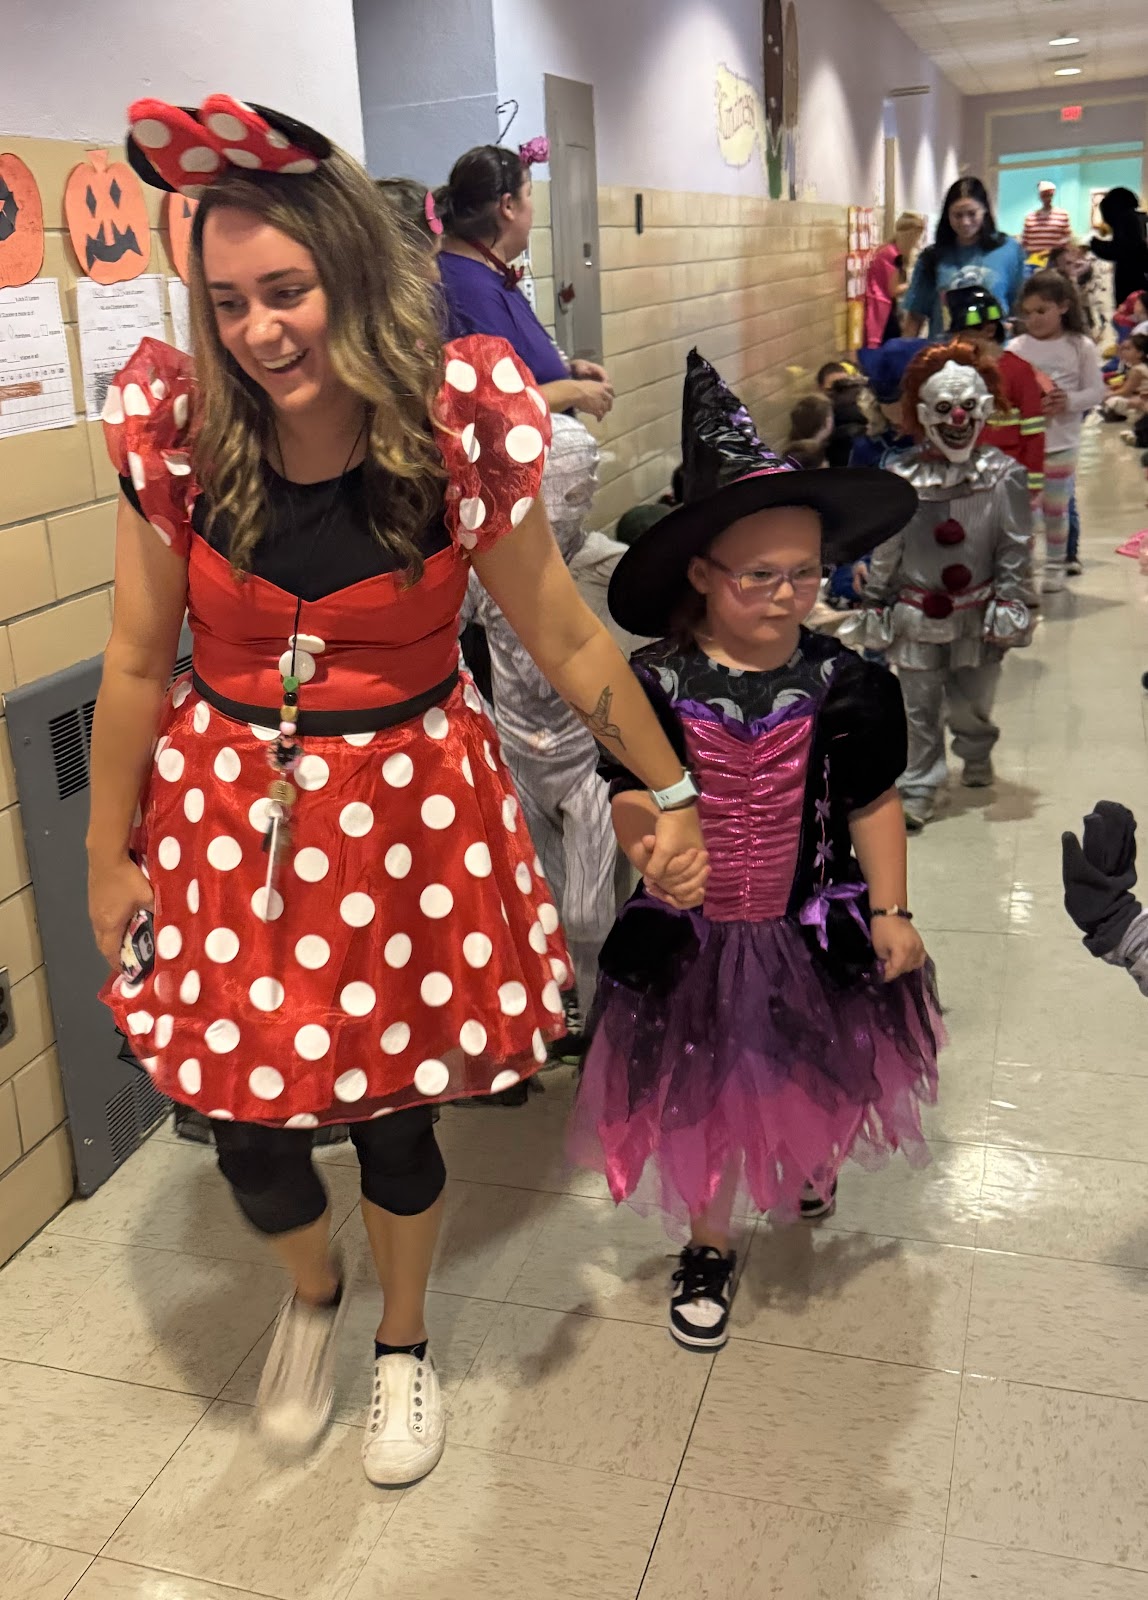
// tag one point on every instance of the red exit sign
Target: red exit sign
(1071, 113)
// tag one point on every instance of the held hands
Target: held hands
(595, 398)
(898, 945)
(1099, 876)
(115, 894)
(673, 859)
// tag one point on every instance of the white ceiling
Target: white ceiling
(1001, 46)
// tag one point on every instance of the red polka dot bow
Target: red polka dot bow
(179, 148)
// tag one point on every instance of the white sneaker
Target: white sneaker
(297, 1389)
(1053, 581)
(406, 1426)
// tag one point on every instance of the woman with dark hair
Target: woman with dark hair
(487, 210)
(968, 249)
(1128, 247)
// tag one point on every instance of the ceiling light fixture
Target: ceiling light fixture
(1068, 72)
(1065, 38)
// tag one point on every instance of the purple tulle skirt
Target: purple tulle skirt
(754, 1070)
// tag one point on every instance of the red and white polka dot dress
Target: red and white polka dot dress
(410, 949)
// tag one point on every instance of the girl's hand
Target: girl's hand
(1055, 403)
(899, 946)
(676, 867)
(860, 576)
(115, 893)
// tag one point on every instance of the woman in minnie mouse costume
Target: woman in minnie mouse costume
(350, 923)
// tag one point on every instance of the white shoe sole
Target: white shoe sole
(411, 1473)
(689, 1342)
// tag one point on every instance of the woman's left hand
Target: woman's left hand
(589, 370)
(678, 868)
(899, 946)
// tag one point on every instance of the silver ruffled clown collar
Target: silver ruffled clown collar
(936, 478)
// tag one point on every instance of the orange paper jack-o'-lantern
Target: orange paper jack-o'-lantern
(21, 224)
(179, 211)
(107, 219)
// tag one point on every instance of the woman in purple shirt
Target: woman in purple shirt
(487, 210)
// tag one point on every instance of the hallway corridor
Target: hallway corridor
(941, 1394)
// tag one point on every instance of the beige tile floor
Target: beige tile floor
(942, 1395)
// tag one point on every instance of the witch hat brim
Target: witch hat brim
(859, 507)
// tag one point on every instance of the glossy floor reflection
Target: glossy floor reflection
(941, 1395)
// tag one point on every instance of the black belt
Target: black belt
(319, 723)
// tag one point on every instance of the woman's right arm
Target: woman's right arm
(150, 601)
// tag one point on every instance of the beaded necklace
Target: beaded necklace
(285, 754)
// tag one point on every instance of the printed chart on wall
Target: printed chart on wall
(113, 319)
(862, 243)
(177, 299)
(35, 376)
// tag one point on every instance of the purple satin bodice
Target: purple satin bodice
(752, 782)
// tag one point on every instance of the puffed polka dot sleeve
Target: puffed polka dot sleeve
(146, 416)
(493, 429)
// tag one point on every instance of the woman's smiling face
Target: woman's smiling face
(270, 307)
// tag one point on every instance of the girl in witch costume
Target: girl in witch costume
(791, 1021)
(947, 598)
(350, 922)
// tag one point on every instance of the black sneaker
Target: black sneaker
(1073, 568)
(699, 1306)
(814, 1206)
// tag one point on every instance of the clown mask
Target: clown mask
(954, 405)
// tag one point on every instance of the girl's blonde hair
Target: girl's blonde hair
(910, 222)
(384, 342)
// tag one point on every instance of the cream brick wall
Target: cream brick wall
(757, 285)
(57, 528)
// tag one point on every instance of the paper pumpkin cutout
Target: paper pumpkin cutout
(179, 213)
(21, 223)
(107, 219)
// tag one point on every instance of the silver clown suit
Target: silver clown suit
(947, 597)
(552, 757)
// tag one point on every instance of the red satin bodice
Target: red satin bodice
(383, 642)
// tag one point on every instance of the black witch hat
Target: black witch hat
(728, 473)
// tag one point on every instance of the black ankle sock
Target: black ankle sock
(419, 1351)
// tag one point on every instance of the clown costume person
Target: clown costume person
(350, 921)
(952, 593)
(755, 1044)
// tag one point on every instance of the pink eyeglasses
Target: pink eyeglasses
(766, 581)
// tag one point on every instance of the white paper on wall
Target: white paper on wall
(177, 299)
(35, 375)
(113, 319)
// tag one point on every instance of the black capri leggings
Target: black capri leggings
(275, 1184)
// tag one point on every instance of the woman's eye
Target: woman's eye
(229, 307)
(292, 293)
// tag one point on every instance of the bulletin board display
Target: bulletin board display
(862, 242)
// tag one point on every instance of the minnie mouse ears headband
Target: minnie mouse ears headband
(179, 148)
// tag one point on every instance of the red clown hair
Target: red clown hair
(930, 362)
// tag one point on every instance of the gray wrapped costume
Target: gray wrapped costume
(944, 600)
(551, 756)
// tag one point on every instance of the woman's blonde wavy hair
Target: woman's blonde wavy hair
(385, 345)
